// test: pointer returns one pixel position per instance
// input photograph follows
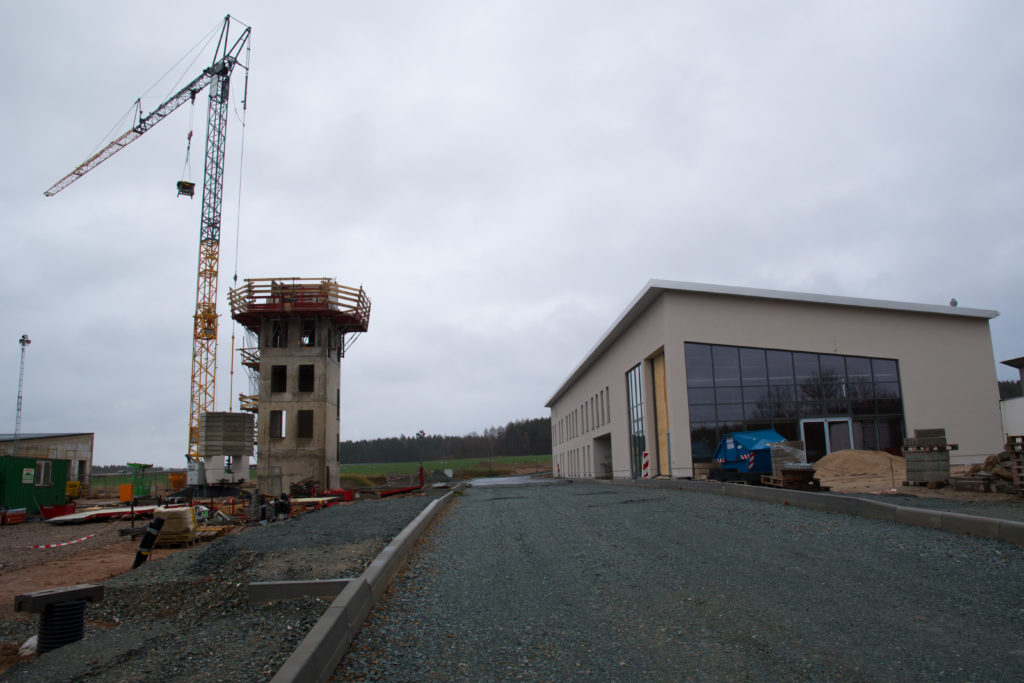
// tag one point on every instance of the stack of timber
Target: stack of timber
(998, 472)
(302, 489)
(1015, 449)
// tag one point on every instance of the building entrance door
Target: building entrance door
(824, 435)
(661, 414)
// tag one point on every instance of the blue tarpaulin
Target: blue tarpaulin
(747, 451)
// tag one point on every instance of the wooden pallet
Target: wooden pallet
(794, 484)
(979, 484)
(176, 541)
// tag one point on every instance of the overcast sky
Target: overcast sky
(502, 177)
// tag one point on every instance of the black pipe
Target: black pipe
(146, 546)
(61, 623)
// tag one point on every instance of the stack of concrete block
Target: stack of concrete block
(927, 456)
(226, 434)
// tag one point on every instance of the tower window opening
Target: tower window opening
(277, 424)
(279, 334)
(306, 378)
(304, 428)
(309, 333)
(279, 378)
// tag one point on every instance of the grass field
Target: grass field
(112, 482)
(504, 463)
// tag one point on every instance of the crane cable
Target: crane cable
(238, 218)
(186, 172)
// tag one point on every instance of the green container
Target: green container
(31, 482)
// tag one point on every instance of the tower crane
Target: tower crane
(204, 330)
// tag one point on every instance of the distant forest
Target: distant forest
(1009, 388)
(523, 437)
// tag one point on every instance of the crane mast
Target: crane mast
(204, 330)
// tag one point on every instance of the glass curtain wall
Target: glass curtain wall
(635, 410)
(736, 389)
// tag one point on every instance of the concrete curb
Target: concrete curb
(318, 654)
(952, 522)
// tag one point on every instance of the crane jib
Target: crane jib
(204, 337)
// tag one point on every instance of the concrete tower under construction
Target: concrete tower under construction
(298, 332)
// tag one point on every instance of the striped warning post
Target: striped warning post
(60, 545)
(646, 466)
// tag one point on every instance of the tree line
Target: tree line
(522, 437)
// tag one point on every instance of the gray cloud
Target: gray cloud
(502, 178)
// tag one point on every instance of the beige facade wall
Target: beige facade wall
(946, 364)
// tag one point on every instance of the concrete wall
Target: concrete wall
(947, 368)
(315, 457)
(77, 449)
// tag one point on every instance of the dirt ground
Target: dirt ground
(104, 553)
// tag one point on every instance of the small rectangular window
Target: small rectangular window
(44, 473)
(277, 424)
(279, 378)
(309, 333)
(304, 428)
(306, 378)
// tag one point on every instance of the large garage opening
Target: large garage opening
(603, 457)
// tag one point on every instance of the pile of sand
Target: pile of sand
(860, 470)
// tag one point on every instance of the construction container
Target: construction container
(31, 482)
(124, 493)
(176, 480)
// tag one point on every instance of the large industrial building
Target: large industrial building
(687, 363)
(76, 448)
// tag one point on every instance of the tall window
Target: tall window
(305, 378)
(278, 378)
(304, 425)
(278, 334)
(734, 389)
(277, 424)
(308, 333)
(635, 410)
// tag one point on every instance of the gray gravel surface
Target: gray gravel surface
(187, 618)
(591, 582)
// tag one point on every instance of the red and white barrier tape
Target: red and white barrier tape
(58, 545)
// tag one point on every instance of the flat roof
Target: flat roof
(27, 437)
(655, 288)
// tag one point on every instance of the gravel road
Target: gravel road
(594, 582)
(187, 618)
